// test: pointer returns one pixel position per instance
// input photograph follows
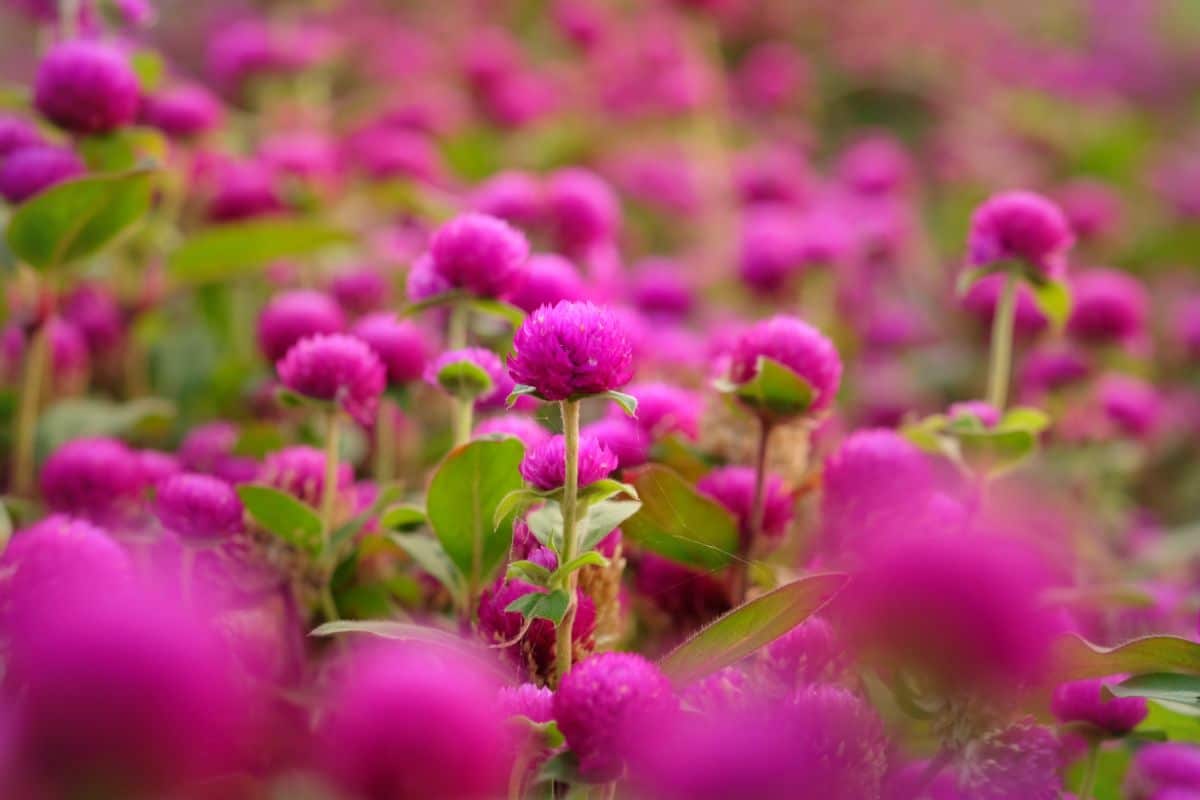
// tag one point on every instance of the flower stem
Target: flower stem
(328, 505)
(456, 335)
(758, 511)
(385, 443)
(1002, 342)
(563, 648)
(37, 356)
(1088, 783)
(464, 410)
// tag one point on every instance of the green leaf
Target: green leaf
(428, 554)
(465, 380)
(588, 559)
(449, 298)
(529, 572)
(679, 523)
(149, 68)
(496, 308)
(1025, 419)
(601, 490)
(541, 605)
(602, 518)
(775, 391)
(519, 391)
(406, 631)
(1180, 723)
(1168, 686)
(387, 495)
(77, 417)
(1053, 298)
(549, 734)
(515, 502)
(740, 632)
(463, 496)
(76, 218)
(402, 518)
(1076, 658)
(6, 527)
(627, 402)
(560, 768)
(996, 450)
(228, 251)
(283, 515)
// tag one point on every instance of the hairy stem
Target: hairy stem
(758, 511)
(37, 357)
(570, 416)
(1002, 343)
(328, 505)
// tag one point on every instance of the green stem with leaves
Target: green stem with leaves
(570, 502)
(37, 358)
(758, 510)
(1002, 342)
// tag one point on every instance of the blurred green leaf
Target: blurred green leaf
(402, 518)
(77, 417)
(541, 605)
(1076, 658)
(229, 251)
(627, 402)
(149, 68)
(465, 380)
(679, 523)
(528, 571)
(775, 391)
(1053, 298)
(283, 515)
(1169, 686)
(429, 555)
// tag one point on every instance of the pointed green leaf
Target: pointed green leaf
(234, 249)
(283, 515)
(588, 559)
(541, 605)
(529, 572)
(436, 301)
(519, 391)
(497, 308)
(602, 490)
(775, 391)
(402, 518)
(1025, 419)
(627, 402)
(513, 503)
(428, 554)
(679, 523)
(385, 497)
(1167, 686)
(602, 518)
(1076, 658)
(1053, 298)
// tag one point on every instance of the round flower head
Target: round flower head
(1093, 208)
(808, 654)
(86, 87)
(515, 197)
(292, 316)
(157, 466)
(33, 169)
(1020, 760)
(182, 112)
(583, 209)
(688, 597)
(874, 165)
(487, 361)
(69, 358)
(96, 478)
(771, 75)
(198, 507)
(545, 466)
(984, 412)
(549, 279)
(461, 749)
(361, 290)
(336, 368)
(571, 350)
(424, 281)
(1187, 326)
(1133, 405)
(1020, 226)
(1107, 306)
(209, 449)
(1052, 368)
(387, 154)
(660, 290)
(527, 700)
(403, 347)
(1085, 701)
(16, 133)
(300, 471)
(769, 250)
(529, 431)
(796, 345)
(244, 189)
(482, 254)
(93, 309)
(601, 703)
(1159, 768)
(664, 409)
(532, 648)
(733, 487)
(622, 436)
(984, 295)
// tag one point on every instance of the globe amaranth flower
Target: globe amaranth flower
(545, 466)
(243, 190)
(796, 345)
(336, 368)
(689, 598)
(769, 249)
(482, 254)
(93, 309)
(622, 437)
(299, 470)
(70, 361)
(983, 412)
(660, 290)
(209, 448)
(571, 350)
(487, 361)
(529, 431)
(527, 700)
(984, 295)
(96, 478)
(875, 165)
(1018, 760)
(1162, 767)
(602, 702)
(733, 488)
(403, 347)
(1020, 226)
(15, 133)
(1107, 306)
(198, 507)
(1085, 701)
(549, 279)
(1093, 209)
(533, 651)
(361, 289)
(810, 653)
(86, 87)
(665, 409)
(1048, 369)
(462, 749)
(1131, 404)
(515, 197)
(294, 315)
(33, 169)
(583, 209)
(182, 112)
(157, 466)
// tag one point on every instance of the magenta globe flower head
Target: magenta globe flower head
(529, 431)
(200, 508)
(244, 190)
(1107, 306)
(983, 412)
(545, 466)
(532, 649)
(209, 448)
(660, 290)
(527, 700)
(623, 438)
(549, 279)
(303, 155)
(481, 254)
(602, 702)
(86, 87)
(16, 133)
(1162, 767)
(984, 295)
(875, 165)
(336, 368)
(796, 345)
(1085, 701)
(93, 309)
(824, 237)
(29, 170)
(808, 654)
(361, 290)
(462, 748)
(772, 75)
(1048, 369)
(385, 154)
(1093, 209)
(583, 210)
(182, 112)
(665, 409)
(515, 197)
(773, 175)
(769, 250)
(571, 350)
(733, 488)
(95, 478)
(1133, 405)
(403, 347)
(1024, 227)
(157, 466)
(424, 281)
(69, 359)
(299, 470)
(487, 385)
(294, 315)
(689, 598)
(1020, 760)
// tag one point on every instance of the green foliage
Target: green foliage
(775, 392)
(550, 605)
(1076, 658)
(679, 523)
(229, 251)
(283, 515)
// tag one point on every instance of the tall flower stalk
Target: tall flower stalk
(37, 359)
(1000, 365)
(570, 503)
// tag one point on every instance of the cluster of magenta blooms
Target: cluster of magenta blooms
(154, 636)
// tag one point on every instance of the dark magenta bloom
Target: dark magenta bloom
(30, 170)
(531, 432)
(1162, 767)
(571, 350)
(1094, 209)
(299, 470)
(336, 368)
(545, 466)
(1020, 226)
(96, 478)
(1085, 701)
(482, 254)
(583, 209)
(69, 357)
(209, 449)
(198, 507)
(424, 281)
(733, 487)
(361, 290)
(1020, 760)
(487, 361)
(86, 87)
(1108, 306)
(15, 133)
(665, 409)
(808, 654)
(549, 279)
(1052, 368)
(403, 347)
(292, 316)
(875, 165)
(689, 597)
(660, 290)
(93, 309)
(527, 700)
(182, 112)
(532, 652)
(796, 345)
(623, 437)
(982, 411)
(1132, 404)
(515, 197)
(244, 190)
(769, 248)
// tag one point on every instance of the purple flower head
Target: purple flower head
(300, 471)
(1093, 209)
(424, 281)
(623, 437)
(571, 350)
(776, 175)
(664, 409)
(688, 597)
(403, 347)
(796, 345)
(244, 189)
(198, 507)
(1133, 405)
(533, 652)
(16, 133)
(292, 316)
(1108, 306)
(157, 466)
(93, 310)
(515, 197)
(1085, 701)
(305, 155)
(1020, 226)
(487, 361)
(983, 296)
(602, 702)
(1020, 760)
(361, 290)
(769, 253)
(1052, 368)
(875, 165)
(808, 654)
(95, 478)
(30, 170)
(549, 279)
(1159, 768)
(462, 749)
(69, 358)
(985, 412)
(771, 75)
(733, 487)
(527, 700)
(545, 466)
(182, 112)
(823, 237)
(209, 449)
(1187, 326)
(86, 87)
(583, 209)
(531, 432)
(482, 254)
(385, 154)
(336, 368)
(660, 290)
